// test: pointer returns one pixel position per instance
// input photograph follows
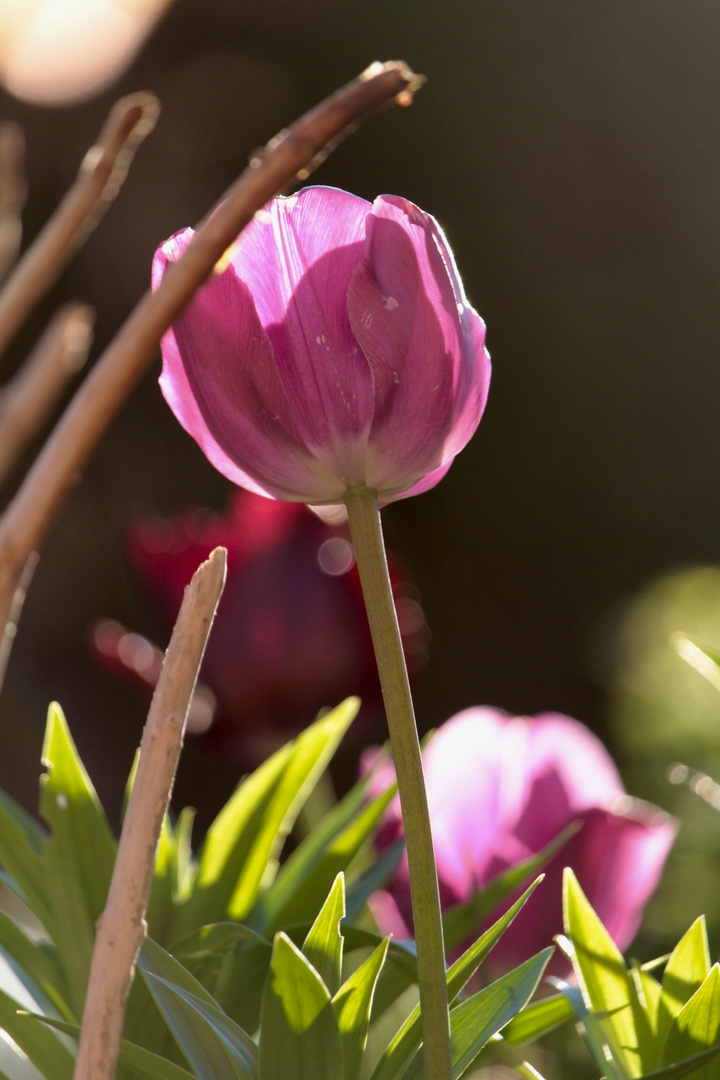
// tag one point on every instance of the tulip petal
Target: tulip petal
(567, 771)
(428, 481)
(220, 379)
(622, 858)
(475, 781)
(424, 344)
(297, 257)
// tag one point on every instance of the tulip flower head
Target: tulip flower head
(500, 788)
(334, 350)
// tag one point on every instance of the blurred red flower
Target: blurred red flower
(291, 635)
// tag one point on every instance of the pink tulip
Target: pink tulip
(335, 349)
(499, 789)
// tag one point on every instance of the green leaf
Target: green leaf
(462, 920)
(705, 660)
(685, 972)
(36, 964)
(696, 1027)
(154, 960)
(407, 1039)
(215, 1047)
(173, 873)
(45, 1050)
(246, 837)
(204, 950)
(476, 1020)
(374, 877)
(537, 1020)
(21, 847)
(142, 1023)
(650, 990)
(649, 994)
(323, 945)
(240, 983)
(299, 1036)
(685, 1068)
(608, 985)
(352, 1005)
(34, 834)
(231, 961)
(78, 857)
(160, 908)
(142, 1063)
(399, 971)
(304, 879)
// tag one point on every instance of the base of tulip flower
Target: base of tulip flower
(365, 528)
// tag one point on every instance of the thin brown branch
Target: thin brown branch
(101, 175)
(13, 189)
(121, 928)
(128, 355)
(27, 400)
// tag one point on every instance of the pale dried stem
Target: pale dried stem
(101, 174)
(18, 599)
(27, 400)
(292, 151)
(121, 928)
(13, 189)
(367, 538)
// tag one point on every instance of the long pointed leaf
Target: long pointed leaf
(685, 972)
(323, 945)
(538, 1019)
(352, 1005)
(215, 1047)
(21, 848)
(79, 855)
(304, 879)
(407, 1039)
(605, 977)
(35, 963)
(299, 1036)
(45, 1050)
(696, 1027)
(475, 1021)
(688, 1067)
(142, 1063)
(248, 833)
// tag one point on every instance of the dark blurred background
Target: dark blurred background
(570, 151)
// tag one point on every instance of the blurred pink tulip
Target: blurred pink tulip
(499, 789)
(335, 348)
(291, 634)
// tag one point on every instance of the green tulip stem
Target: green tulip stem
(366, 532)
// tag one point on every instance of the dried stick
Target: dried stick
(101, 175)
(26, 401)
(121, 928)
(6, 640)
(13, 189)
(292, 151)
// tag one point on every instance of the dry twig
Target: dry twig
(121, 927)
(101, 175)
(26, 401)
(292, 151)
(13, 189)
